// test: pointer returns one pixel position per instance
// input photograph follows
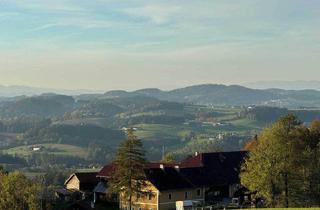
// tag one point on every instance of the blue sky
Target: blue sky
(104, 44)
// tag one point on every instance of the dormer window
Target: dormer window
(216, 193)
(199, 192)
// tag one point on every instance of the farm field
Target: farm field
(158, 131)
(54, 149)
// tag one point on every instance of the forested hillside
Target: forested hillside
(222, 95)
(86, 129)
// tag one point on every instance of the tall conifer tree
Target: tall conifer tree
(129, 176)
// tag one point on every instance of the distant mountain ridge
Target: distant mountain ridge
(214, 94)
(12, 91)
(287, 85)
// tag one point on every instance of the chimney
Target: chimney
(162, 166)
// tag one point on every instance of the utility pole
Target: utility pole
(163, 152)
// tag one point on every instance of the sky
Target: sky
(132, 44)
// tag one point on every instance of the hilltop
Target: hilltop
(206, 94)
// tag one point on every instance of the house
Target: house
(101, 193)
(36, 148)
(217, 172)
(204, 178)
(79, 184)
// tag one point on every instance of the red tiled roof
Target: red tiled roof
(206, 169)
(199, 170)
(157, 165)
(214, 159)
(192, 162)
(106, 171)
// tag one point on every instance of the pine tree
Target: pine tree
(129, 177)
(168, 158)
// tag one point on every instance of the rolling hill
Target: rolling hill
(206, 94)
(222, 95)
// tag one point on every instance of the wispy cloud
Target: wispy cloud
(158, 14)
(46, 5)
(7, 15)
(194, 40)
(78, 23)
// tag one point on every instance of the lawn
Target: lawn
(55, 149)
(286, 209)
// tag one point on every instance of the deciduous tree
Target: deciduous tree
(270, 168)
(17, 192)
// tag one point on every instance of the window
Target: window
(140, 208)
(169, 196)
(132, 208)
(186, 195)
(150, 196)
(216, 193)
(198, 192)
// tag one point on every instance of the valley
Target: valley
(84, 131)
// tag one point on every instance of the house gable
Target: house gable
(82, 181)
(72, 183)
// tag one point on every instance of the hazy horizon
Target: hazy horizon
(17, 90)
(108, 45)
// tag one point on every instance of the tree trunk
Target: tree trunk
(286, 190)
(130, 201)
(273, 194)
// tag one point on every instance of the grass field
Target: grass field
(158, 131)
(87, 170)
(55, 149)
(33, 174)
(286, 209)
(103, 122)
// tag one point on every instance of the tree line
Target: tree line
(283, 166)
